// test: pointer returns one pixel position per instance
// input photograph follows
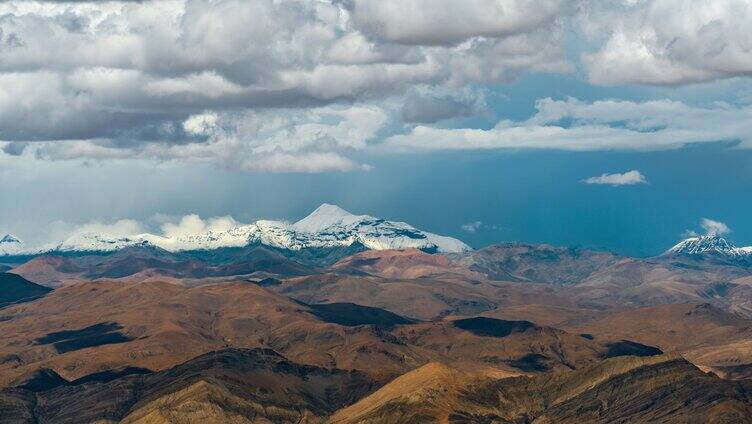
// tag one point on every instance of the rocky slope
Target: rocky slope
(259, 385)
(230, 385)
(536, 263)
(664, 389)
(156, 325)
(63, 269)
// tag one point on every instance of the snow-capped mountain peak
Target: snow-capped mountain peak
(8, 238)
(708, 244)
(327, 216)
(10, 245)
(330, 225)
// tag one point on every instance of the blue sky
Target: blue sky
(485, 128)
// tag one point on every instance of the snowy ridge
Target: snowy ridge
(709, 244)
(96, 242)
(327, 226)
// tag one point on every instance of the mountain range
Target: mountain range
(340, 318)
(328, 226)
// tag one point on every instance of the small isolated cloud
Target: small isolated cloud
(472, 227)
(627, 178)
(714, 228)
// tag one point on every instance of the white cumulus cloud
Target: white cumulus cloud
(164, 225)
(194, 224)
(667, 42)
(714, 228)
(626, 178)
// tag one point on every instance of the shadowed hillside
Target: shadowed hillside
(157, 325)
(231, 385)
(16, 289)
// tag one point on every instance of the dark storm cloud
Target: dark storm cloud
(72, 22)
(430, 108)
(448, 22)
(15, 148)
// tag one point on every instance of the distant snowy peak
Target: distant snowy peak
(9, 240)
(10, 245)
(709, 245)
(327, 227)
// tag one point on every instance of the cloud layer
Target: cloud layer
(590, 126)
(292, 85)
(298, 85)
(167, 226)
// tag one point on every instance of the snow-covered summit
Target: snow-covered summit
(8, 238)
(10, 245)
(709, 244)
(326, 227)
(334, 226)
(327, 216)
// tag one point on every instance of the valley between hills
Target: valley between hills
(352, 319)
